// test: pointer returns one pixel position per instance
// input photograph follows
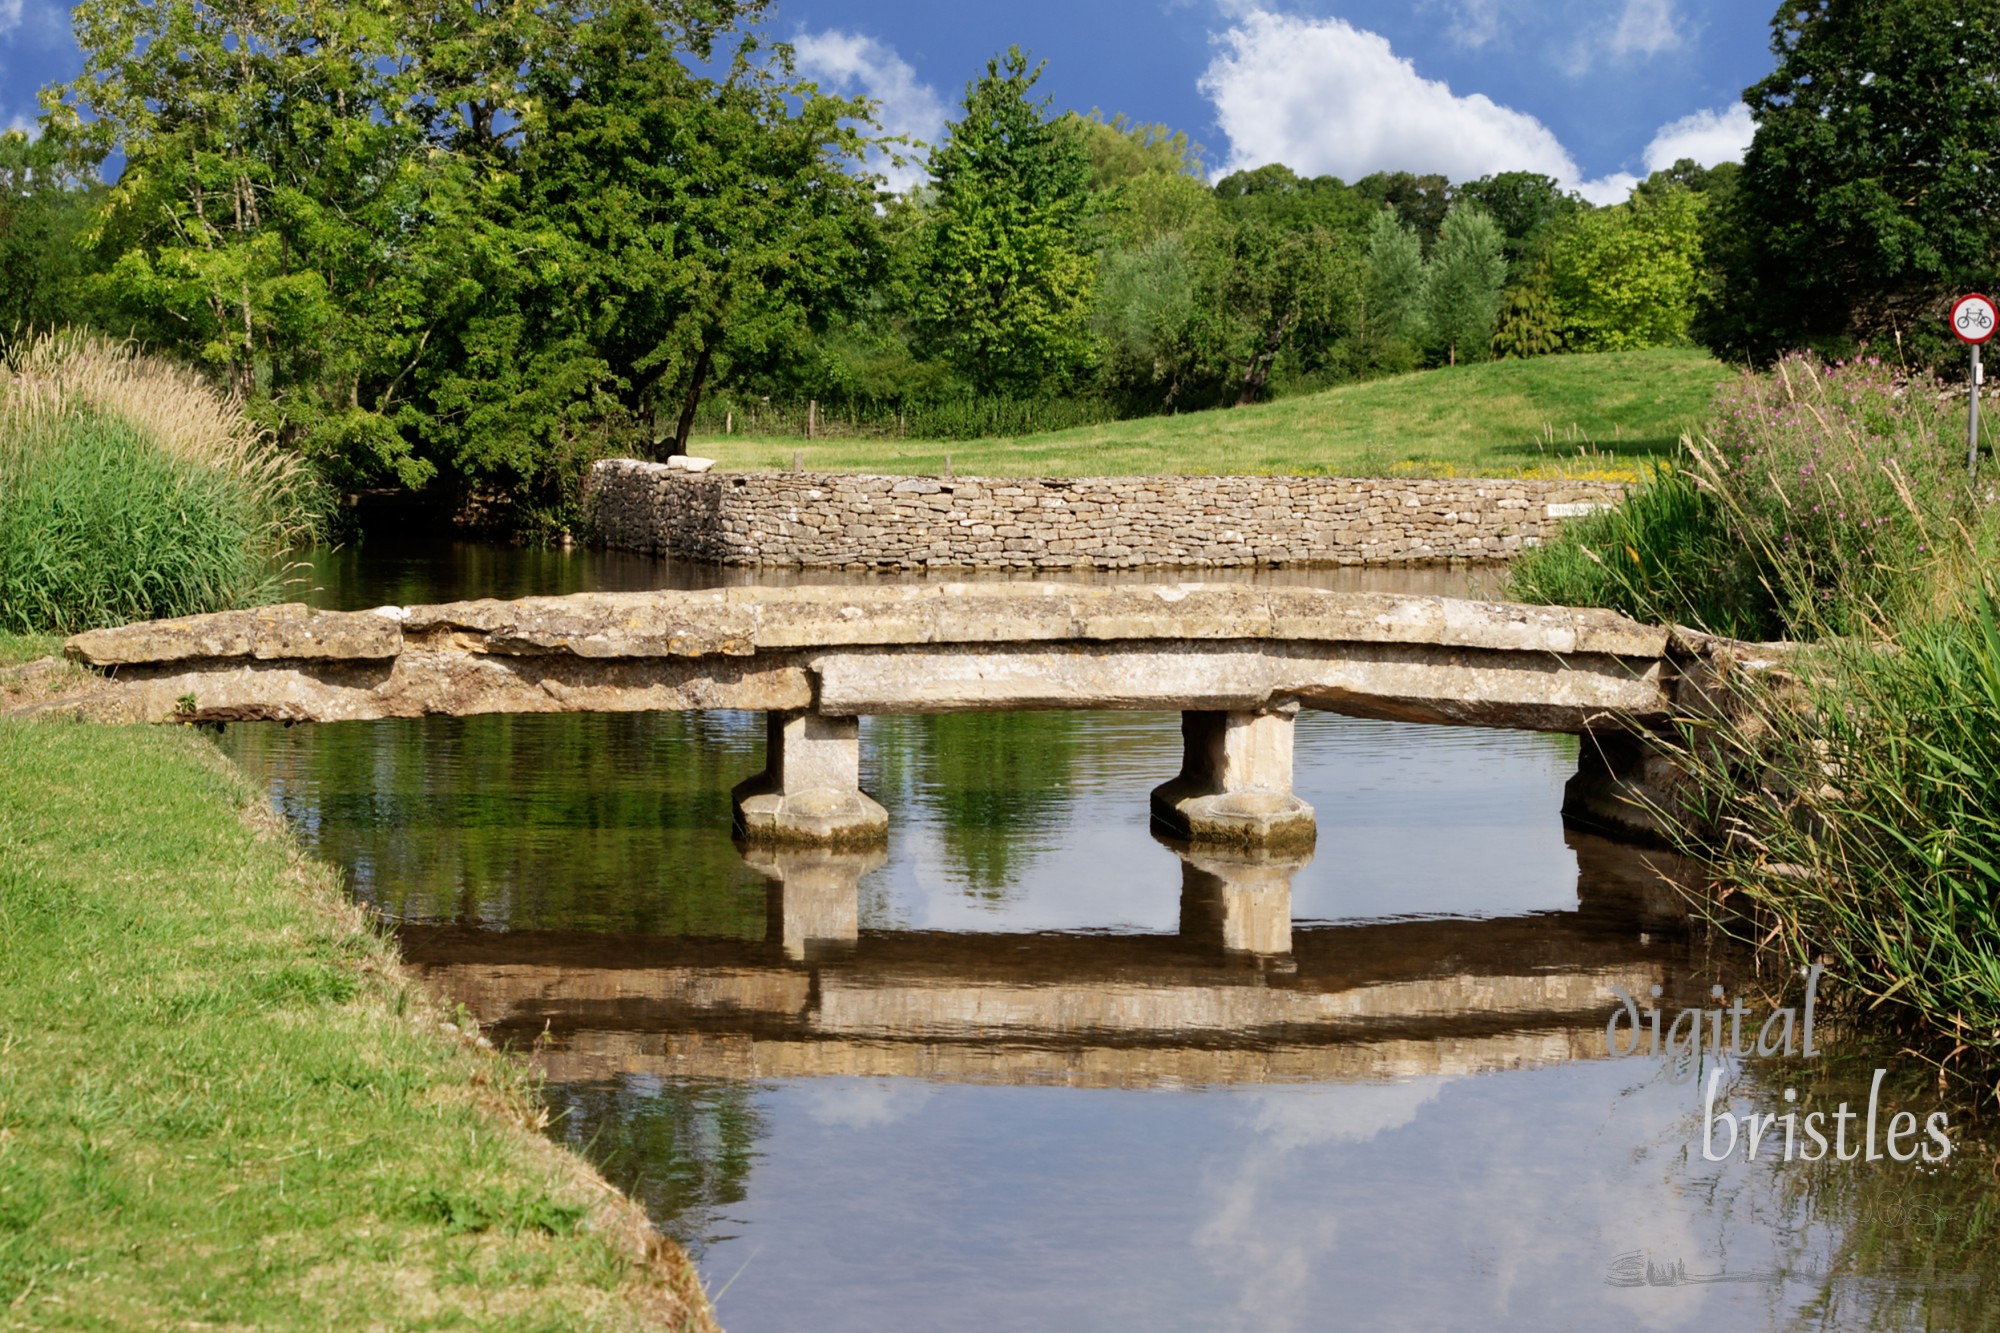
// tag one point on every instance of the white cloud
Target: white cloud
(852, 64)
(1645, 28)
(1475, 23)
(10, 15)
(1325, 97)
(1708, 137)
(1612, 189)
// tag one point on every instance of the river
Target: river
(1048, 1072)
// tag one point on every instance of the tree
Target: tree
(1530, 321)
(1462, 285)
(459, 237)
(1526, 206)
(1422, 202)
(46, 209)
(1269, 292)
(1004, 268)
(701, 220)
(263, 223)
(1867, 197)
(1122, 150)
(1628, 276)
(1278, 197)
(1390, 315)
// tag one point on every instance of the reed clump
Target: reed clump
(131, 489)
(1859, 812)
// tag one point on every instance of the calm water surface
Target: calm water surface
(1035, 1069)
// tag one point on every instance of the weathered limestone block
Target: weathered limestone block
(1235, 784)
(422, 683)
(810, 790)
(267, 633)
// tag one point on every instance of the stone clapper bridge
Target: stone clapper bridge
(1237, 660)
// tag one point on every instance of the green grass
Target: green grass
(223, 1104)
(1601, 415)
(18, 648)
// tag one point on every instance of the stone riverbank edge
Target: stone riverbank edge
(225, 1101)
(825, 520)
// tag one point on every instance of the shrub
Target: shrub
(130, 489)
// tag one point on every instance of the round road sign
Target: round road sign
(1974, 318)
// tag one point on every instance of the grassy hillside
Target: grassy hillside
(1576, 415)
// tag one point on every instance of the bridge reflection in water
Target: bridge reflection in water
(1240, 994)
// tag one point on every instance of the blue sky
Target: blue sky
(1589, 91)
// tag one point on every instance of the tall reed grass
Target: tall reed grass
(1858, 801)
(132, 489)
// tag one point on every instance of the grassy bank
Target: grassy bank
(222, 1103)
(1599, 415)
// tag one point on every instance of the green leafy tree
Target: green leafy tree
(700, 221)
(1004, 265)
(1270, 294)
(1145, 318)
(1123, 150)
(263, 221)
(1422, 202)
(459, 237)
(46, 211)
(1527, 206)
(1277, 196)
(1462, 285)
(1628, 276)
(1867, 198)
(1390, 315)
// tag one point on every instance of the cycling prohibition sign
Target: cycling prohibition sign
(1974, 318)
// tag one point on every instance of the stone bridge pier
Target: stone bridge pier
(810, 790)
(1234, 789)
(1235, 784)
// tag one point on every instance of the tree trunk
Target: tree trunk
(685, 428)
(1258, 369)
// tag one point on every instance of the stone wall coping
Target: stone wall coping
(743, 476)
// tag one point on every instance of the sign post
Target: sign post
(1974, 319)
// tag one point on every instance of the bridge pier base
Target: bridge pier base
(1235, 785)
(813, 901)
(809, 793)
(1240, 903)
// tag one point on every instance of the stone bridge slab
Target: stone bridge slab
(888, 649)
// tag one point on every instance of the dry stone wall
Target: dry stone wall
(807, 520)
